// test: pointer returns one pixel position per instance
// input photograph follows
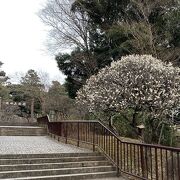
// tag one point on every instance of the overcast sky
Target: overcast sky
(22, 39)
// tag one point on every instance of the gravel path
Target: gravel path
(35, 145)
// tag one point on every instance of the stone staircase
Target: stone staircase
(27, 153)
(64, 166)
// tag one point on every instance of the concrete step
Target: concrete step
(22, 131)
(50, 160)
(6, 123)
(20, 167)
(51, 172)
(52, 166)
(48, 155)
(76, 176)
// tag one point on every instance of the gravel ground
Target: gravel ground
(35, 145)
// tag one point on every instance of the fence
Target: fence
(144, 161)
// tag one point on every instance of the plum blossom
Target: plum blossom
(136, 81)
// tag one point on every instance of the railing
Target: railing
(43, 121)
(144, 161)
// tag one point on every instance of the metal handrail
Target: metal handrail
(144, 161)
(144, 144)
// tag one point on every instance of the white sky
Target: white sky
(22, 39)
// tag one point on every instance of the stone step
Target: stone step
(4, 123)
(50, 160)
(48, 155)
(22, 131)
(59, 171)
(76, 176)
(19, 167)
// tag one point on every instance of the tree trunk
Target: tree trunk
(32, 108)
(159, 141)
(43, 106)
(110, 122)
(134, 123)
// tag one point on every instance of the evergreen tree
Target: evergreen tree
(4, 92)
(58, 101)
(32, 87)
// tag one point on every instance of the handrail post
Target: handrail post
(78, 135)
(143, 162)
(118, 169)
(156, 163)
(93, 136)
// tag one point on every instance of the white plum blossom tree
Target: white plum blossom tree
(139, 82)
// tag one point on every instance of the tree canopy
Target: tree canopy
(101, 31)
(141, 83)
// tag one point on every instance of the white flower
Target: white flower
(134, 81)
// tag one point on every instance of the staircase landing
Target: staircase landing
(35, 145)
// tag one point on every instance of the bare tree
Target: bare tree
(16, 77)
(67, 28)
(44, 79)
(146, 39)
